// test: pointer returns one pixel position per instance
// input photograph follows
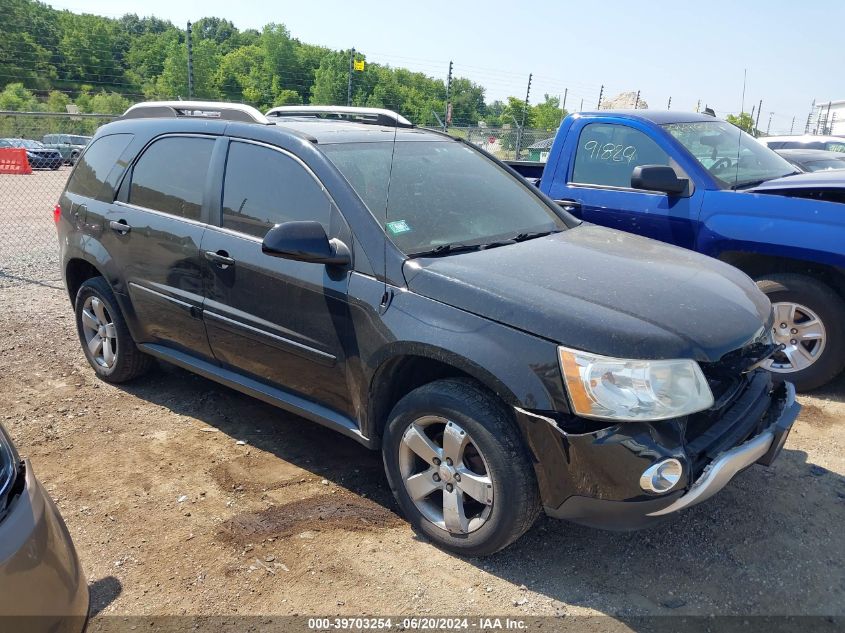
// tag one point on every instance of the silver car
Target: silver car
(42, 587)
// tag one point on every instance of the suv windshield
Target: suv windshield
(444, 196)
(731, 156)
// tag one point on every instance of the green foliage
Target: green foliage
(548, 115)
(16, 97)
(51, 58)
(743, 121)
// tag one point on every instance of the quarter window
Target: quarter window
(170, 176)
(264, 187)
(607, 155)
(97, 162)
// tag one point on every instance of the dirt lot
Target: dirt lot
(184, 497)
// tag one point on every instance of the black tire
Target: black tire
(74, 156)
(490, 428)
(129, 362)
(830, 309)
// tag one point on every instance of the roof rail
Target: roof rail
(195, 109)
(374, 116)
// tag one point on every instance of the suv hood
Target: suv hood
(603, 291)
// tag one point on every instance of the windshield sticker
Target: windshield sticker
(398, 226)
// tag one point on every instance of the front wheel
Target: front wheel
(810, 327)
(459, 469)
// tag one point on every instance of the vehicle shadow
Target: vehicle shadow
(103, 592)
(768, 544)
(834, 390)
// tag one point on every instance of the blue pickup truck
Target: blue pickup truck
(700, 183)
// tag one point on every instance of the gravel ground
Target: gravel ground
(184, 497)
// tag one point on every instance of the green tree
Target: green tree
(57, 101)
(330, 79)
(109, 103)
(16, 97)
(467, 102)
(743, 121)
(173, 81)
(548, 115)
(287, 97)
(515, 113)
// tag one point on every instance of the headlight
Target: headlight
(633, 390)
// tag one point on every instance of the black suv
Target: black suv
(413, 293)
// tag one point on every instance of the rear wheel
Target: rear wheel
(458, 468)
(809, 325)
(105, 339)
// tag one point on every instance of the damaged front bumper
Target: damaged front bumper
(592, 478)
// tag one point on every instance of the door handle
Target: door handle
(120, 226)
(568, 205)
(221, 258)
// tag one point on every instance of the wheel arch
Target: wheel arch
(757, 265)
(77, 271)
(408, 368)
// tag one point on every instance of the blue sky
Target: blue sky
(689, 51)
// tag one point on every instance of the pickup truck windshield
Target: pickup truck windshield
(445, 197)
(735, 159)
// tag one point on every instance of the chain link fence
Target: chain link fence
(28, 243)
(508, 143)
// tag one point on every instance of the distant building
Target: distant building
(828, 118)
(539, 151)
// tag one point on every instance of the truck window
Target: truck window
(607, 154)
(95, 165)
(170, 176)
(263, 187)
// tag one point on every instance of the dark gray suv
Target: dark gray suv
(413, 293)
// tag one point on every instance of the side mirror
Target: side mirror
(658, 178)
(305, 242)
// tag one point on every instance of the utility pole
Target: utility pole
(792, 127)
(601, 94)
(524, 113)
(190, 63)
(349, 79)
(637, 102)
(669, 105)
(581, 107)
(698, 107)
(447, 119)
(757, 124)
(769, 125)
(563, 105)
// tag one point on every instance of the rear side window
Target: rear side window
(96, 164)
(264, 187)
(170, 176)
(607, 154)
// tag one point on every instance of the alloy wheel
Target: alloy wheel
(99, 331)
(445, 475)
(801, 335)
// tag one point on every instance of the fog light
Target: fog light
(662, 476)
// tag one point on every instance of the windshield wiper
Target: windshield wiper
(530, 236)
(447, 249)
(459, 247)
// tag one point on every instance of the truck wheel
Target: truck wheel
(105, 339)
(459, 469)
(74, 156)
(810, 324)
